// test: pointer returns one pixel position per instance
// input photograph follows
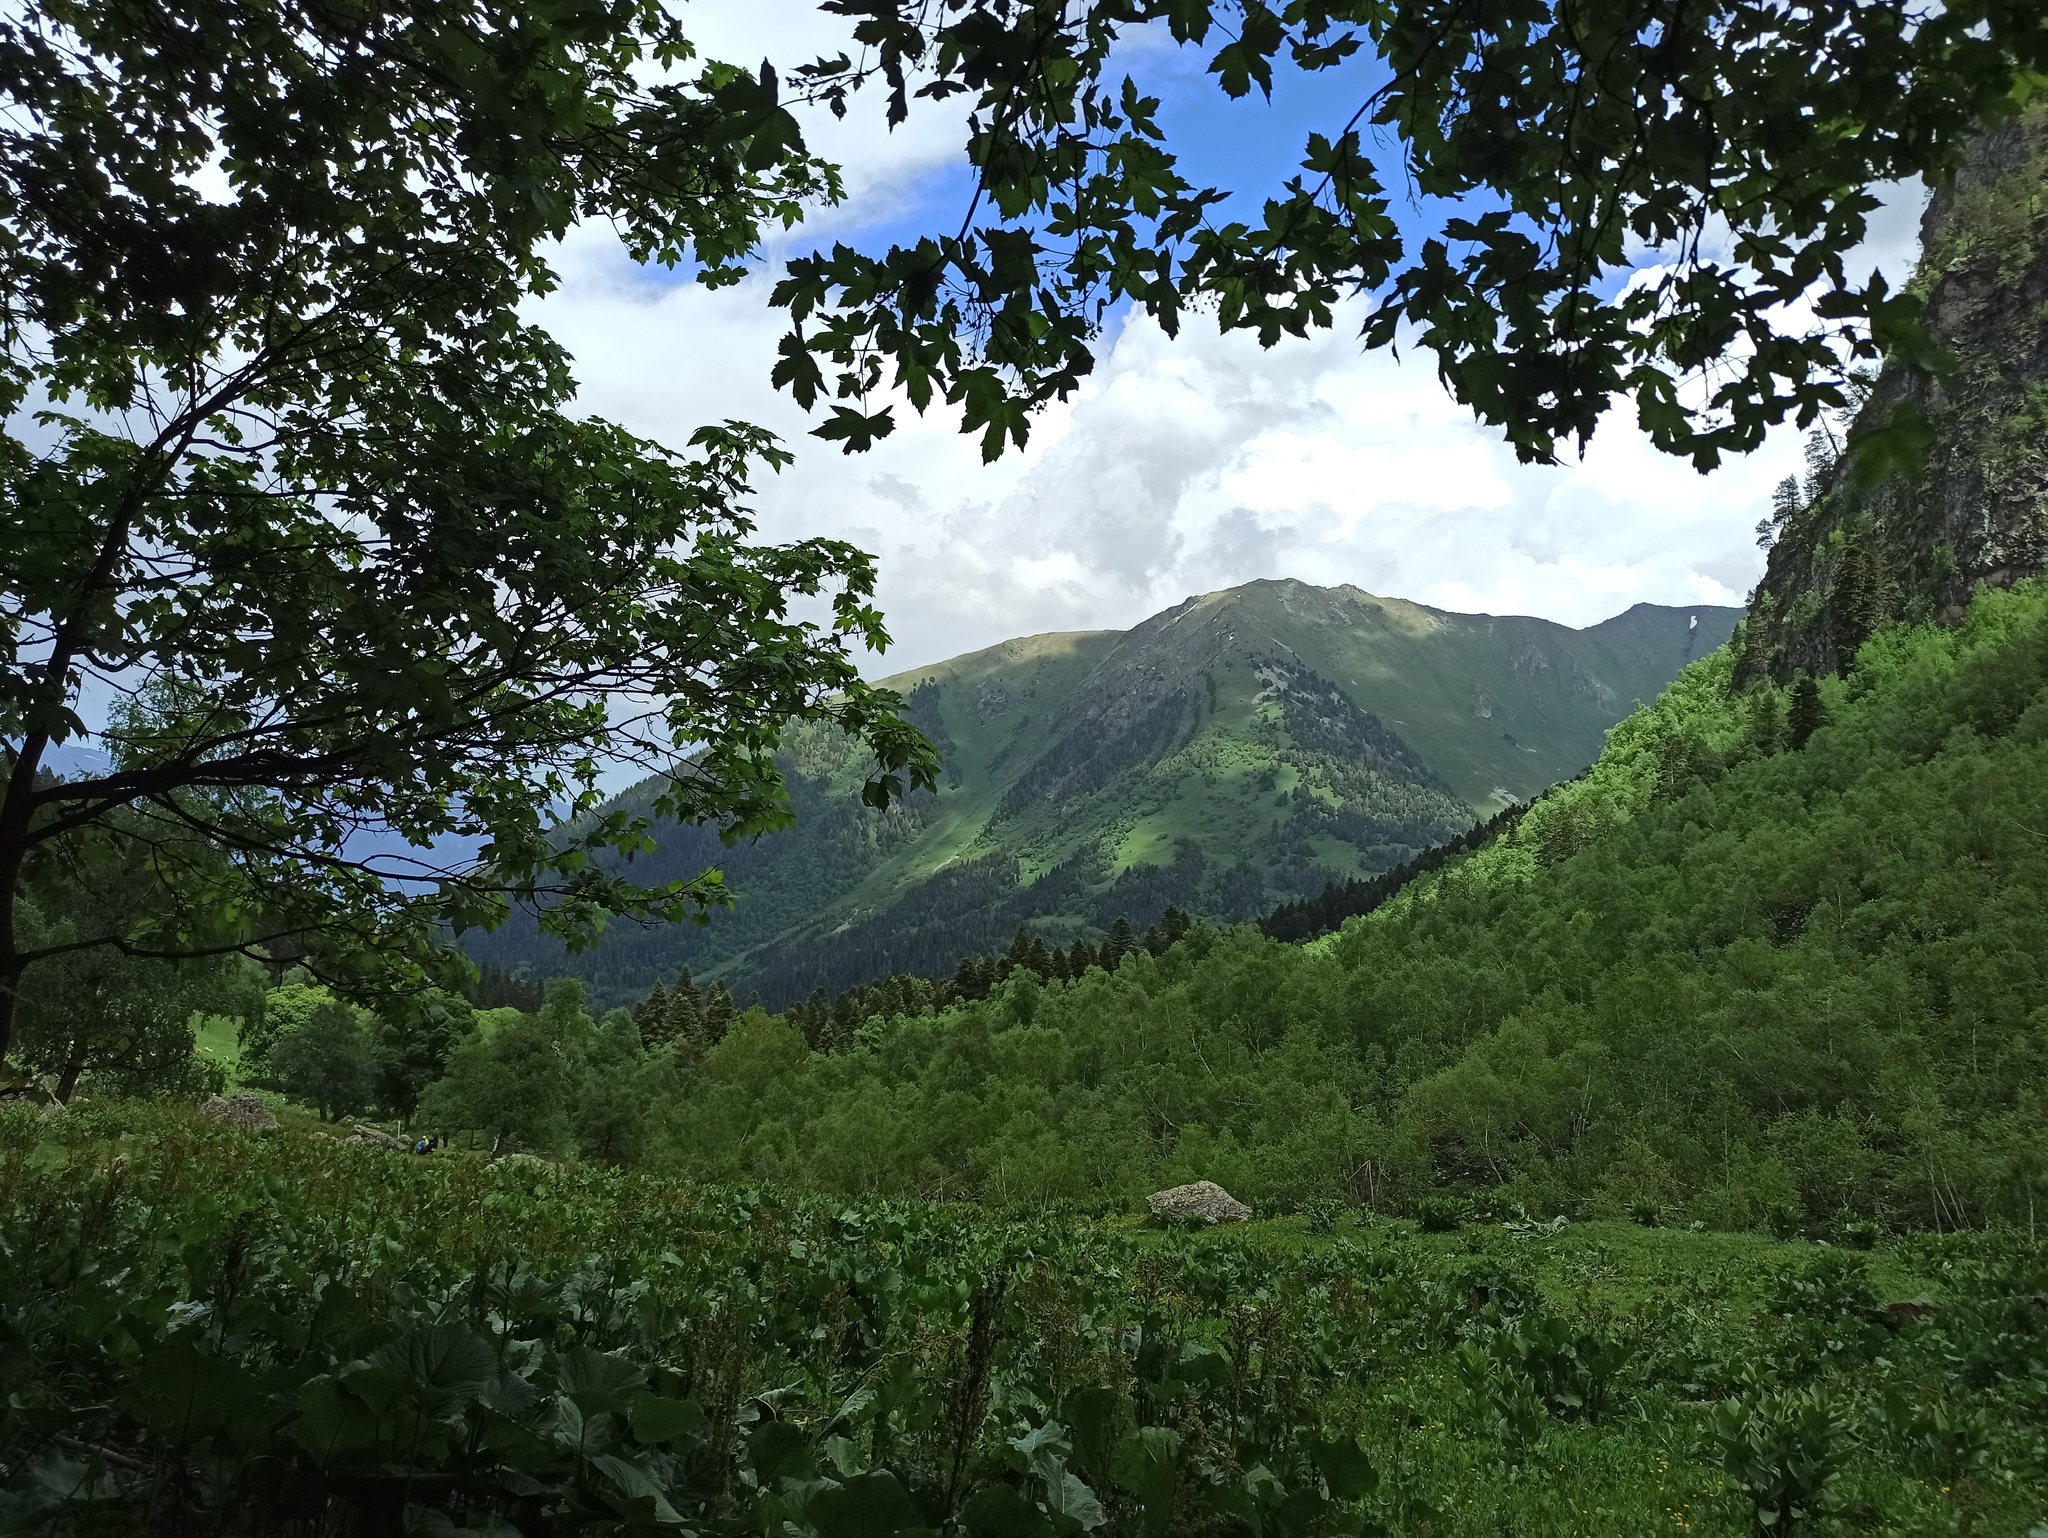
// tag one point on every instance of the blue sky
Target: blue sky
(1185, 465)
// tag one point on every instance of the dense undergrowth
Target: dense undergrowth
(209, 1331)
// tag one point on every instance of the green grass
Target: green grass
(218, 1041)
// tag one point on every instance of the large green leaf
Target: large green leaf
(1091, 1416)
(1146, 1465)
(183, 1394)
(871, 1505)
(655, 1418)
(599, 1381)
(997, 1511)
(629, 1490)
(1072, 1506)
(434, 1369)
(1345, 1468)
(778, 1450)
(335, 1427)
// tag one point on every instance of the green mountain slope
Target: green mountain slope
(1763, 964)
(1239, 749)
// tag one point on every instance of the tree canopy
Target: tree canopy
(1568, 202)
(293, 494)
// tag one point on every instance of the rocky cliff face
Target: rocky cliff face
(1852, 555)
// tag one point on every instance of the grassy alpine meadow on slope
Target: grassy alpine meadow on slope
(207, 1330)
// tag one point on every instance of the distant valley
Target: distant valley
(1238, 750)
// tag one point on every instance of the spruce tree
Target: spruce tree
(685, 1020)
(651, 1016)
(718, 1013)
(846, 1019)
(1118, 945)
(1807, 715)
(1766, 723)
(813, 1017)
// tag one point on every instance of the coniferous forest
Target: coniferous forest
(1665, 1151)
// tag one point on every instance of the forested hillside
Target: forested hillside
(1239, 750)
(1776, 959)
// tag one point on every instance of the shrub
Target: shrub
(1783, 1450)
(1941, 1440)
(1439, 1215)
(329, 1062)
(1322, 1215)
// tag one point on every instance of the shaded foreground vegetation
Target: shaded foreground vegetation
(204, 1330)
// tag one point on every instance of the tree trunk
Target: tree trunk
(11, 964)
(73, 1066)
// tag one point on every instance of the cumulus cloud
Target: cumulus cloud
(1183, 465)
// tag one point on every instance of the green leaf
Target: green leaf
(1146, 1465)
(334, 1427)
(183, 1394)
(1091, 1414)
(872, 1505)
(1345, 1468)
(855, 430)
(1071, 1504)
(778, 1450)
(655, 1418)
(1896, 445)
(997, 1511)
(434, 1366)
(599, 1381)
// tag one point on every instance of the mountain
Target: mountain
(1942, 484)
(1240, 749)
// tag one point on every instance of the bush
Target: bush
(1439, 1215)
(1321, 1215)
(1783, 1450)
(1941, 1440)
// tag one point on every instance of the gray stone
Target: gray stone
(245, 1111)
(374, 1138)
(1204, 1201)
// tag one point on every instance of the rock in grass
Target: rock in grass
(377, 1139)
(245, 1111)
(1204, 1201)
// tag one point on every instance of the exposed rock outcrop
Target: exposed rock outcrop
(245, 1111)
(1852, 555)
(372, 1137)
(1203, 1202)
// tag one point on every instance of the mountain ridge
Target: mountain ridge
(1240, 749)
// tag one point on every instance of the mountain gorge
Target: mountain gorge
(1238, 750)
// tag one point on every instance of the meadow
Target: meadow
(210, 1330)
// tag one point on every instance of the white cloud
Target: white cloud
(1186, 465)
(886, 169)
(1183, 465)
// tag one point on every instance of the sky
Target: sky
(1184, 465)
